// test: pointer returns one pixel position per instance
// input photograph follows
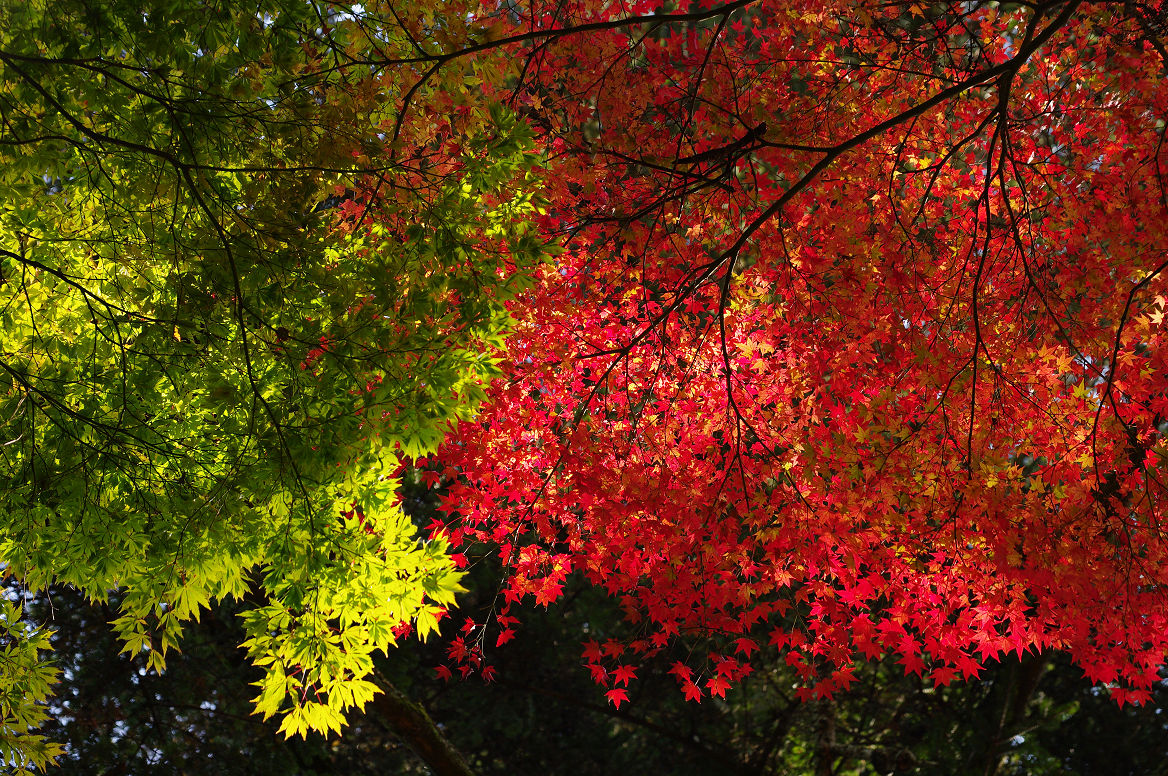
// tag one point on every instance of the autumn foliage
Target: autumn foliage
(855, 343)
(831, 328)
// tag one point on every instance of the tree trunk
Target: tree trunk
(1024, 679)
(410, 721)
(826, 749)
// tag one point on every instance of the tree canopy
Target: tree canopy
(829, 330)
(855, 346)
(211, 360)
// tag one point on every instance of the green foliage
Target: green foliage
(202, 370)
(25, 682)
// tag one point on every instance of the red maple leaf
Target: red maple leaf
(623, 674)
(717, 685)
(943, 676)
(745, 647)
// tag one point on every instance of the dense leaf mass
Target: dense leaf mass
(856, 344)
(850, 346)
(209, 354)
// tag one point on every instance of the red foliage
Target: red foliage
(856, 341)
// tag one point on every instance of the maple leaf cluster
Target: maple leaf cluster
(855, 343)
